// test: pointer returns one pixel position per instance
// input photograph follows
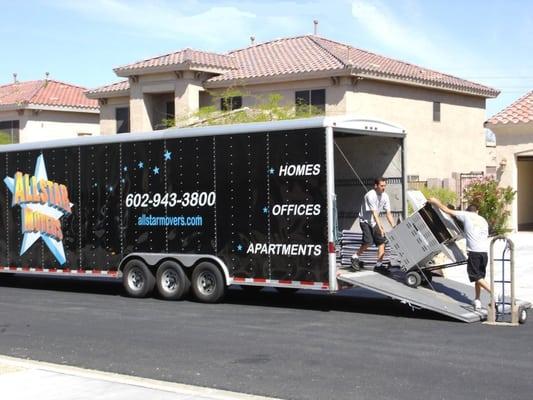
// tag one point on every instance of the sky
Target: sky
(81, 41)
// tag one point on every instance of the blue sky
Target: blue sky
(81, 41)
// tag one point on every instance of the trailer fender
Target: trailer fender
(186, 260)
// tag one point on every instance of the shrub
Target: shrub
(491, 201)
(446, 196)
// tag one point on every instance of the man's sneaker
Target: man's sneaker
(381, 269)
(477, 304)
(357, 264)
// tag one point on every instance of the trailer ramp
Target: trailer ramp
(449, 297)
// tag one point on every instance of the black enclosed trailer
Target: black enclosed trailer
(198, 208)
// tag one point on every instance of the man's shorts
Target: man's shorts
(476, 266)
(371, 235)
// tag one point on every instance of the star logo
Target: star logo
(156, 170)
(42, 203)
(168, 155)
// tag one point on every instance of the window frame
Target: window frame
(437, 109)
(125, 122)
(308, 99)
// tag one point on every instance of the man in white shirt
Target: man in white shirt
(476, 231)
(374, 202)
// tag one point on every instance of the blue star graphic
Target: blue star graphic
(265, 210)
(271, 171)
(141, 164)
(110, 188)
(168, 155)
(239, 247)
(125, 168)
(156, 170)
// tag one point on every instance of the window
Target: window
(122, 116)
(9, 131)
(310, 102)
(231, 103)
(436, 111)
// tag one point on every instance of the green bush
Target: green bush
(446, 196)
(5, 138)
(492, 202)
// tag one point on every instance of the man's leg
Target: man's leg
(481, 283)
(477, 288)
(381, 252)
(362, 249)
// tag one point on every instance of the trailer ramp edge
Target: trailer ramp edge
(449, 297)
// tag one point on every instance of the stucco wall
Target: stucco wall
(50, 125)
(512, 141)
(434, 149)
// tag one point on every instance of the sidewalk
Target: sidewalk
(29, 380)
(523, 242)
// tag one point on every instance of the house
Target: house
(46, 109)
(513, 127)
(442, 114)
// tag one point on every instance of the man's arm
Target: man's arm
(378, 221)
(436, 202)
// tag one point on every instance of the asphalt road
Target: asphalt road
(305, 346)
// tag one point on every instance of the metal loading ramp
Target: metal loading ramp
(449, 297)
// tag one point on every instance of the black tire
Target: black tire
(137, 279)
(522, 315)
(413, 279)
(172, 282)
(208, 285)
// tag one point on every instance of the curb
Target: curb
(14, 365)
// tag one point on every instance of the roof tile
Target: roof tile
(521, 111)
(183, 56)
(312, 53)
(45, 92)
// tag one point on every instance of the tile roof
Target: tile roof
(45, 92)
(312, 53)
(108, 89)
(299, 58)
(521, 111)
(186, 56)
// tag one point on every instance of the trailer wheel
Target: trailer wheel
(137, 279)
(413, 279)
(522, 315)
(172, 282)
(208, 283)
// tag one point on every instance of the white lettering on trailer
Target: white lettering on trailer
(285, 249)
(299, 170)
(296, 209)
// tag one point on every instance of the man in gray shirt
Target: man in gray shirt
(374, 202)
(476, 231)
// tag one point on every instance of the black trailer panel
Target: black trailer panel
(256, 201)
